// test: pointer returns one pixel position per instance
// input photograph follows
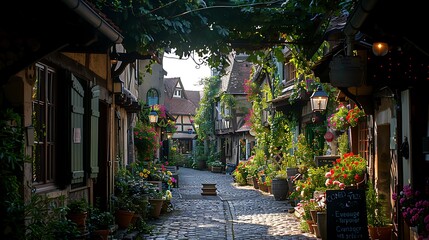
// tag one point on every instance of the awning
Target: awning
(244, 128)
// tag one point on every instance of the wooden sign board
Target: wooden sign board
(346, 214)
(325, 160)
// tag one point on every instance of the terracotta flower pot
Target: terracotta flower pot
(123, 218)
(156, 207)
(310, 226)
(79, 219)
(380, 233)
(101, 234)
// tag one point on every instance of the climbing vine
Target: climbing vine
(204, 119)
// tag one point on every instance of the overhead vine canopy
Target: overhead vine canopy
(215, 28)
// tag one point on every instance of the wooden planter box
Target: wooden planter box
(216, 169)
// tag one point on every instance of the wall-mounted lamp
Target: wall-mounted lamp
(169, 135)
(118, 86)
(319, 100)
(169, 132)
(153, 116)
(380, 48)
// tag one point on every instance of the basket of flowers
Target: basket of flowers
(350, 170)
(344, 117)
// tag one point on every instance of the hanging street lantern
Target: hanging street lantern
(319, 100)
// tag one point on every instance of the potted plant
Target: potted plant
(122, 198)
(77, 211)
(279, 185)
(344, 117)
(240, 173)
(216, 166)
(156, 200)
(100, 222)
(379, 226)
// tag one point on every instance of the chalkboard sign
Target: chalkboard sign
(325, 160)
(346, 214)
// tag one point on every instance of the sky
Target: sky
(187, 70)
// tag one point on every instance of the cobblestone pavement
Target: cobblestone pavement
(237, 212)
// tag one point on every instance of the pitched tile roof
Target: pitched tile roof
(240, 71)
(194, 96)
(180, 106)
(170, 85)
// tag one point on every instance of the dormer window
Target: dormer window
(177, 93)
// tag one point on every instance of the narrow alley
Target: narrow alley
(237, 212)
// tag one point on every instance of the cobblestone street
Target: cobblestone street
(237, 212)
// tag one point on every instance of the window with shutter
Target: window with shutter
(77, 128)
(95, 115)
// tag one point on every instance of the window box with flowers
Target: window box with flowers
(344, 117)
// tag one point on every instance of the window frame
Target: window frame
(152, 91)
(44, 109)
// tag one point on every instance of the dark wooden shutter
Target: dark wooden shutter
(77, 117)
(95, 115)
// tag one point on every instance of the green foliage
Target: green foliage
(12, 159)
(312, 180)
(343, 144)
(303, 153)
(376, 213)
(281, 136)
(100, 219)
(204, 119)
(281, 174)
(206, 27)
(77, 206)
(215, 164)
(176, 158)
(122, 192)
(240, 173)
(228, 100)
(47, 219)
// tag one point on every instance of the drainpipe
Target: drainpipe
(356, 20)
(93, 18)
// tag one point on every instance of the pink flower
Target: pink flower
(394, 196)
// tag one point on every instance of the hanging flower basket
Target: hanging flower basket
(346, 71)
(344, 117)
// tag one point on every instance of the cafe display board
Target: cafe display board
(325, 160)
(346, 214)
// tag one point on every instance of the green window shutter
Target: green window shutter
(95, 114)
(77, 116)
